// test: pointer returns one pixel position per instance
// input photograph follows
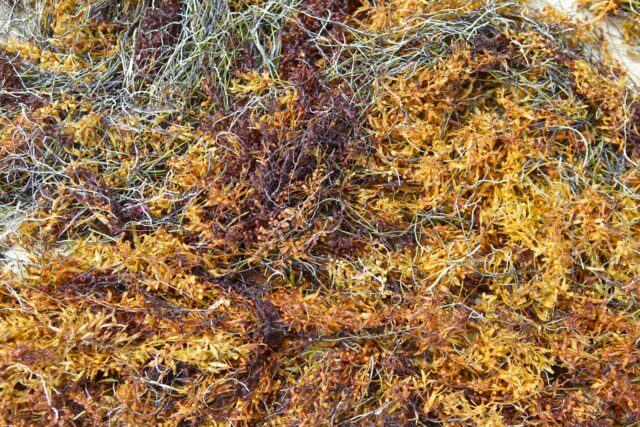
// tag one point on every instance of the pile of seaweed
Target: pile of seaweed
(324, 212)
(625, 12)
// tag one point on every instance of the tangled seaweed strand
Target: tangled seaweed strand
(402, 212)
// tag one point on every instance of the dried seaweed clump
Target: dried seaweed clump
(316, 213)
(625, 15)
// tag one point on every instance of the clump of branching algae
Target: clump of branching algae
(400, 212)
(626, 12)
